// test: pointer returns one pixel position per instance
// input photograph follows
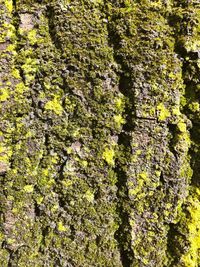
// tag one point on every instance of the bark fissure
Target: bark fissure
(123, 234)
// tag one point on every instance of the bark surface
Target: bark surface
(100, 133)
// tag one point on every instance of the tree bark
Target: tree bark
(99, 131)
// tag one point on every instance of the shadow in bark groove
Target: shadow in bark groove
(123, 234)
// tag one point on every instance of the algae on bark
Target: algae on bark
(99, 154)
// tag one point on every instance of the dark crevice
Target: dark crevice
(37, 209)
(123, 234)
(45, 232)
(173, 139)
(50, 15)
(11, 252)
(16, 23)
(14, 3)
(173, 244)
(195, 154)
(162, 179)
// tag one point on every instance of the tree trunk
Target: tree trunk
(100, 135)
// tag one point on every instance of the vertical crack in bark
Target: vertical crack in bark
(14, 3)
(123, 234)
(172, 141)
(173, 244)
(50, 14)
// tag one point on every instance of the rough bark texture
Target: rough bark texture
(100, 133)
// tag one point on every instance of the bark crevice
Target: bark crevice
(123, 234)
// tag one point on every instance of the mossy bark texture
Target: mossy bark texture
(100, 133)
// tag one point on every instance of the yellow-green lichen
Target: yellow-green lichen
(192, 257)
(55, 106)
(11, 48)
(183, 140)
(108, 156)
(69, 105)
(182, 127)
(192, 45)
(163, 112)
(30, 66)
(55, 208)
(15, 73)
(176, 111)
(194, 106)
(4, 95)
(84, 163)
(120, 102)
(61, 227)
(28, 188)
(119, 120)
(67, 183)
(39, 199)
(136, 190)
(5, 155)
(89, 196)
(32, 36)
(20, 88)
(9, 5)
(10, 31)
